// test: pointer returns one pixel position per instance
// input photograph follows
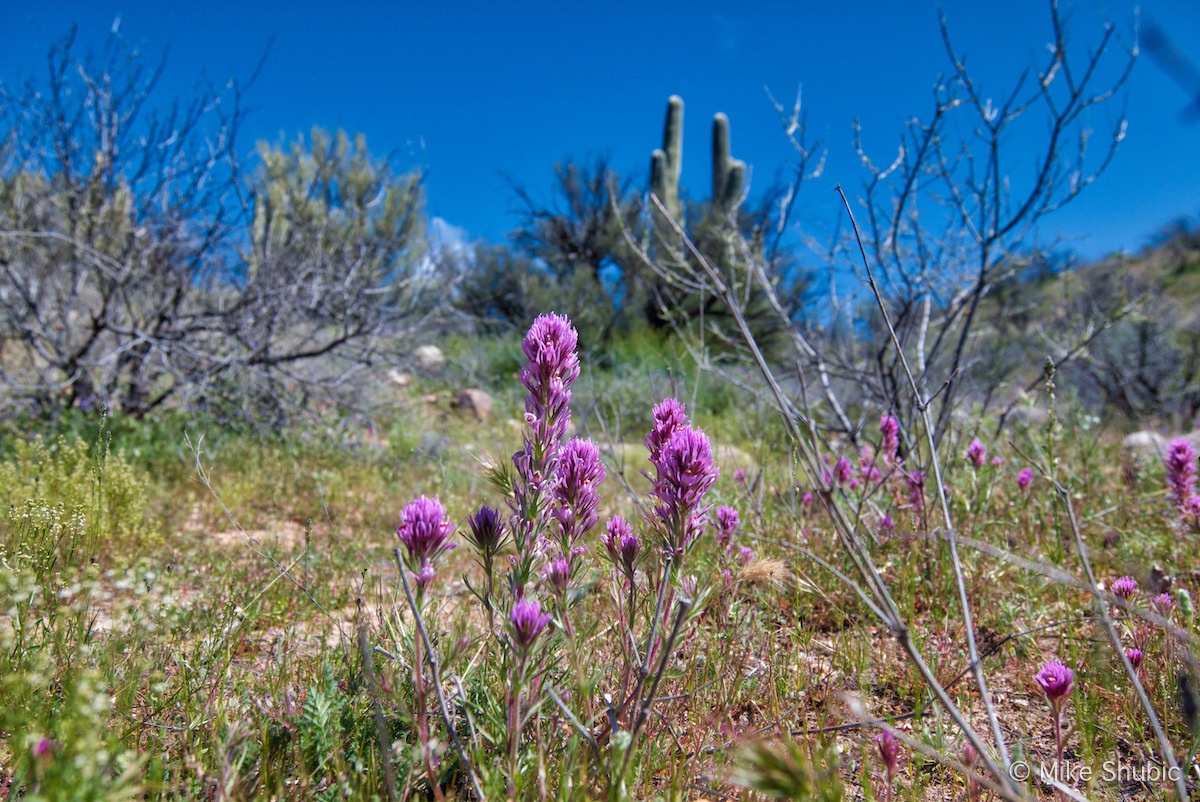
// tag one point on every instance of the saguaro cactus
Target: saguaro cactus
(666, 163)
(727, 172)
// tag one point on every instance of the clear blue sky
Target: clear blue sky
(470, 90)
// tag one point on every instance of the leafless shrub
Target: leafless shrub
(140, 261)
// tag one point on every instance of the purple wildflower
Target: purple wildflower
(745, 555)
(977, 453)
(1163, 604)
(577, 493)
(557, 574)
(1135, 656)
(685, 473)
(425, 531)
(1189, 512)
(42, 748)
(551, 366)
(425, 576)
(486, 530)
(739, 476)
(670, 416)
(1124, 587)
(630, 545)
(727, 521)
(1056, 681)
(843, 470)
(998, 461)
(1181, 470)
(886, 524)
(1025, 478)
(527, 621)
(806, 500)
(622, 544)
(889, 752)
(889, 427)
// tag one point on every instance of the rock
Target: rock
(399, 378)
(429, 357)
(1152, 445)
(1145, 444)
(474, 403)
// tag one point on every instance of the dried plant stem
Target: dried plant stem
(644, 668)
(956, 562)
(436, 674)
(385, 747)
(645, 704)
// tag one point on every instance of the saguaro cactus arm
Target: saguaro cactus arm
(728, 173)
(666, 163)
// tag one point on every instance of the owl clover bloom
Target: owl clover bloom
(424, 532)
(684, 472)
(1056, 681)
(1181, 470)
(889, 428)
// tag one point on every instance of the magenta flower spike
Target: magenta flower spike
(487, 530)
(686, 472)
(727, 521)
(977, 453)
(889, 752)
(528, 621)
(557, 574)
(425, 533)
(1163, 604)
(1124, 587)
(889, 428)
(1056, 681)
(577, 491)
(1136, 656)
(1025, 478)
(630, 545)
(1181, 470)
(670, 416)
(551, 367)
(843, 471)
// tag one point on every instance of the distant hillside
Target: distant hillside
(1126, 327)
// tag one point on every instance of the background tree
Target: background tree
(575, 240)
(137, 265)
